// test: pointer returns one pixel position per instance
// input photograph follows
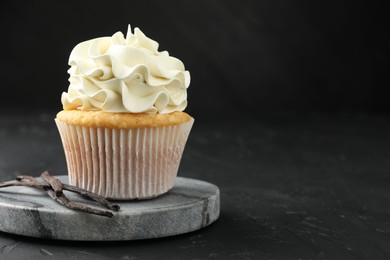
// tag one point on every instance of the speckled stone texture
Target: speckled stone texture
(190, 205)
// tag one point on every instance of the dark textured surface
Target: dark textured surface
(292, 186)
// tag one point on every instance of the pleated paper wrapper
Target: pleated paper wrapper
(124, 164)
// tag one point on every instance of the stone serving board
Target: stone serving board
(190, 205)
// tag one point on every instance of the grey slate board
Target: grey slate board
(190, 205)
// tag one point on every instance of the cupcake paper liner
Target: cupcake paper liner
(137, 163)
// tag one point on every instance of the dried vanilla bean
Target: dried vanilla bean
(95, 197)
(25, 178)
(23, 183)
(46, 176)
(55, 188)
(54, 183)
(77, 206)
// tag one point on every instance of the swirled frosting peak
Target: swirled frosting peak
(125, 74)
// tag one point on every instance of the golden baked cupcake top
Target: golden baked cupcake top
(121, 120)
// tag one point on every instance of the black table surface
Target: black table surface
(293, 186)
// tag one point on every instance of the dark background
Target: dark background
(245, 57)
(292, 120)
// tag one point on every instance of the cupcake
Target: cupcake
(122, 126)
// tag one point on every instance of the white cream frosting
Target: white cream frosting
(118, 74)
